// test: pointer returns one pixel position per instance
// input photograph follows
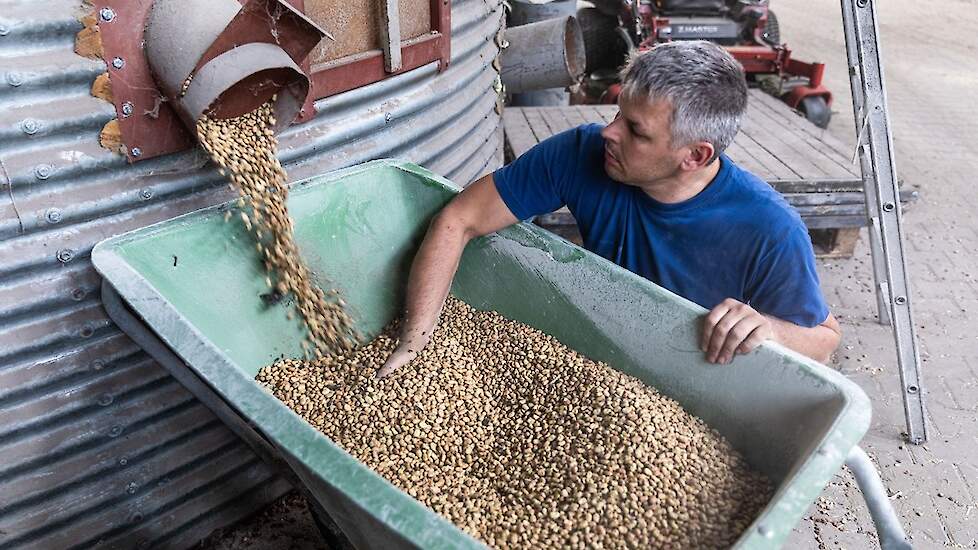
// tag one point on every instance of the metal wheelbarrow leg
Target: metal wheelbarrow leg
(887, 523)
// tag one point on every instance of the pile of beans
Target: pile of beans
(245, 149)
(525, 443)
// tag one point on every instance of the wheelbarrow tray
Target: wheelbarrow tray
(195, 281)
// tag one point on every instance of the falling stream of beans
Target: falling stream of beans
(245, 148)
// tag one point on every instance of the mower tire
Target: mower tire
(602, 46)
(816, 110)
(772, 31)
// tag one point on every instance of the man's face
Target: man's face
(638, 148)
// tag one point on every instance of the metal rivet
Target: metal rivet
(53, 215)
(30, 126)
(107, 14)
(98, 364)
(765, 531)
(116, 431)
(118, 62)
(862, 3)
(78, 294)
(131, 488)
(86, 331)
(388, 117)
(124, 460)
(43, 171)
(14, 79)
(145, 194)
(136, 151)
(105, 400)
(65, 255)
(127, 109)
(912, 389)
(136, 518)
(4, 30)
(888, 207)
(900, 300)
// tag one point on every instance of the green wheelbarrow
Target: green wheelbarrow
(188, 291)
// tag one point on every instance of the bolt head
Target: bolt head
(107, 14)
(65, 255)
(136, 151)
(4, 30)
(118, 62)
(43, 171)
(53, 215)
(30, 126)
(388, 117)
(146, 194)
(14, 79)
(127, 109)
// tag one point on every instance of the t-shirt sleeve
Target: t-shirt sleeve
(785, 284)
(537, 182)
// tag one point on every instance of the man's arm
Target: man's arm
(475, 212)
(734, 327)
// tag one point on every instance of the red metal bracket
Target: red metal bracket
(148, 125)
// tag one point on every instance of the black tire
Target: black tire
(772, 31)
(608, 7)
(816, 110)
(602, 46)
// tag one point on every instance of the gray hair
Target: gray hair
(704, 84)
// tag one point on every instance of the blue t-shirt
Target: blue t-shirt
(737, 238)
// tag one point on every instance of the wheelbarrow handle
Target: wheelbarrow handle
(888, 528)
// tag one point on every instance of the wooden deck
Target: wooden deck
(805, 163)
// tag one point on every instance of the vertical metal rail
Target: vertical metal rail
(390, 35)
(875, 148)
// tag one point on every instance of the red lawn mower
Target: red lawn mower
(748, 29)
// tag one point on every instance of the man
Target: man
(653, 193)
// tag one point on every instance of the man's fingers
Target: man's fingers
(710, 322)
(755, 339)
(721, 331)
(737, 335)
(397, 360)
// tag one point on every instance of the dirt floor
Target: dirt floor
(929, 48)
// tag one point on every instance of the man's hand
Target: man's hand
(733, 327)
(400, 357)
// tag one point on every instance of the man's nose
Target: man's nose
(610, 132)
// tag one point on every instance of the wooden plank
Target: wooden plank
(828, 199)
(799, 145)
(784, 146)
(555, 118)
(824, 143)
(541, 130)
(576, 119)
(519, 135)
(789, 116)
(779, 169)
(744, 159)
(817, 186)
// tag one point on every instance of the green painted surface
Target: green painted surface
(358, 229)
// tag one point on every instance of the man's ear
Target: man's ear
(698, 155)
